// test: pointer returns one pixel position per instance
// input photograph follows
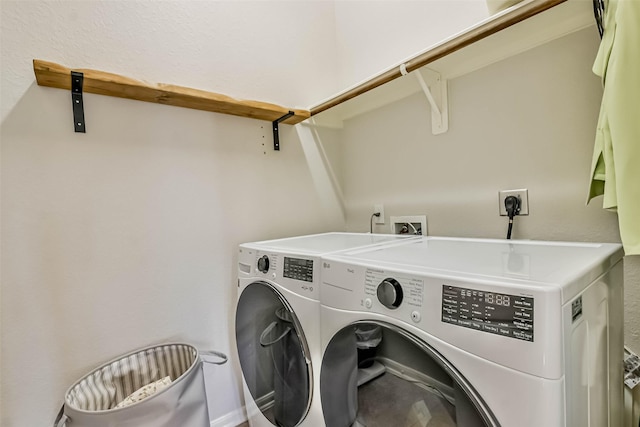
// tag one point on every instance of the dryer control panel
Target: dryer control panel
(496, 313)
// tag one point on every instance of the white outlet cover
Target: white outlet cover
(378, 219)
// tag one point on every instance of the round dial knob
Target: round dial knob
(390, 293)
(263, 264)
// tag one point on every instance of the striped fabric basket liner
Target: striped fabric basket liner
(93, 400)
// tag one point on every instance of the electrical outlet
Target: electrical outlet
(522, 194)
(414, 224)
(378, 219)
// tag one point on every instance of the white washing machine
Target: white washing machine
(278, 324)
(473, 333)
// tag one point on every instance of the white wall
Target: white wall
(525, 122)
(125, 236)
(377, 34)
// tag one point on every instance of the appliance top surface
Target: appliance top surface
(318, 244)
(547, 264)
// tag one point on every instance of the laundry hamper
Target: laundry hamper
(93, 401)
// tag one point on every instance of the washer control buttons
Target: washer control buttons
(389, 293)
(416, 316)
(263, 264)
(368, 303)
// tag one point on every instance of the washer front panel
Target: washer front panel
(352, 287)
(516, 399)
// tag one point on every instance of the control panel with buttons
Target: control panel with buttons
(295, 273)
(394, 292)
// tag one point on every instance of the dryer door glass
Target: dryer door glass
(375, 374)
(273, 355)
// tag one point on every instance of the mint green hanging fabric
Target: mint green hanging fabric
(615, 170)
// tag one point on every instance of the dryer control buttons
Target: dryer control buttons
(368, 303)
(416, 316)
(263, 264)
(390, 293)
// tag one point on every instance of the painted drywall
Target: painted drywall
(125, 236)
(375, 35)
(525, 122)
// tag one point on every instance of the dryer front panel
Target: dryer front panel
(274, 355)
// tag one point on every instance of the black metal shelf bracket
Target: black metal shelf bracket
(276, 135)
(77, 80)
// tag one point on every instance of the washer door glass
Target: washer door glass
(375, 374)
(273, 355)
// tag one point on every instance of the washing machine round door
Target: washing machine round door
(376, 374)
(274, 355)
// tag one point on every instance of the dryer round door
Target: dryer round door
(376, 374)
(274, 355)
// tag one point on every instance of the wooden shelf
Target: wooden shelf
(102, 83)
(521, 27)
(508, 33)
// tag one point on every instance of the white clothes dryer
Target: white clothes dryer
(277, 324)
(473, 333)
